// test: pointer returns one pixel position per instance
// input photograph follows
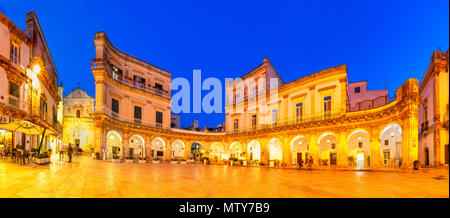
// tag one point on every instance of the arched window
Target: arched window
(78, 113)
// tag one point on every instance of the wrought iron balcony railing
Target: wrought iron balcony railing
(129, 81)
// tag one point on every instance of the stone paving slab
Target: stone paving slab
(103, 179)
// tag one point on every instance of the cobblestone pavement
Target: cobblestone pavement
(93, 178)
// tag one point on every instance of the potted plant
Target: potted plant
(156, 160)
(142, 160)
(183, 161)
(351, 160)
(205, 160)
(50, 152)
(129, 159)
(173, 161)
(42, 158)
(116, 158)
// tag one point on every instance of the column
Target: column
(287, 156)
(125, 144)
(99, 138)
(375, 149)
(148, 148)
(410, 139)
(342, 153)
(314, 149)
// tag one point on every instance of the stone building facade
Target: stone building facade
(28, 86)
(433, 112)
(78, 125)
(308, 118)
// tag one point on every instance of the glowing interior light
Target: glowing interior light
(359, 138)
(328, 141)
(300, 142)
(36, 69)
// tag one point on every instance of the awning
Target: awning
(24, 127)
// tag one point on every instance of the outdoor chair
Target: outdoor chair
(18, 157)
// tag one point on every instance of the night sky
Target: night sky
(378, 40)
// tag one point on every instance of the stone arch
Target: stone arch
(391, 144)
(328, 143)
(217, 151)
(177, 149)
(197, 150)
(114, 144)
(254, 151)
(299, 147)
(136, 146)
(359, 148)
(275, 146)
(235, 150)
(158, 147)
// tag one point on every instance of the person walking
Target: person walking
(61, 152)
(69, 152)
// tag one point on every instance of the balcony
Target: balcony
(369, 104)
(130, 119)
(99, 64)
(424, 128)
(16, 103)
(306, 118)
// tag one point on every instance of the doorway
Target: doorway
(446, 154)
(360, 160)
(299, 158)
(427, 157)
(333, 158)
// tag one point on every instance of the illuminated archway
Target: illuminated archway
(299, 149)
(217, 151)
(178, 149)
(136, 146)
(328, 149)
(359, 149)
(197, 150)
(113, 144)
(276, 149)
(235, 150)
(158, 146)
(254, 151)
(391, 144)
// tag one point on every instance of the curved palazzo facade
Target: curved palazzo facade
(323, 130)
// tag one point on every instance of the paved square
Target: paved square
(92, 178)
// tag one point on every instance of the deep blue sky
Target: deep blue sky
(378, 40)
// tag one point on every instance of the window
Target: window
(115, 105)
(360, 145)
(137, 114)
(254, 121)
(386, 142)
(236, 125)
(425, 110)
(299, 112)
(43, 109)
(139, 82)
(357, 89)
(159, 118)
(14, 53)
(327, 106)
(13, 94)
(333, 146)
(274, 116)
(158, 88)
(78, 113)
(55, 117)
(77, 142)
